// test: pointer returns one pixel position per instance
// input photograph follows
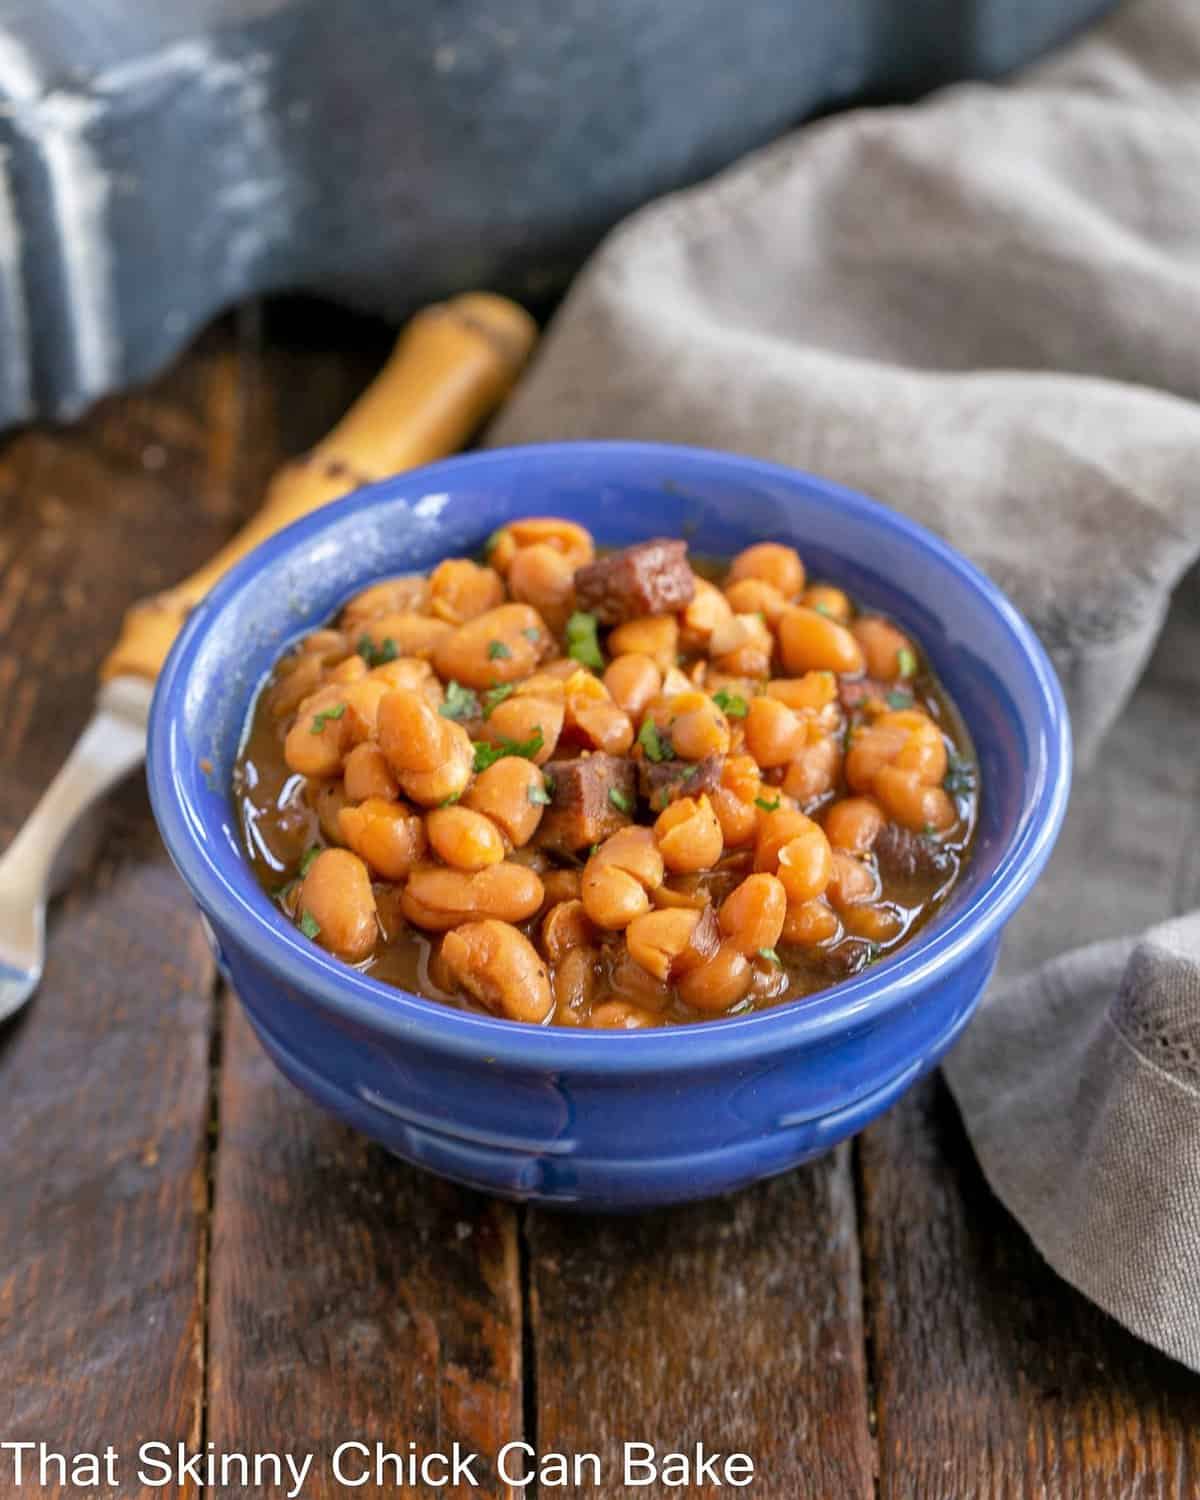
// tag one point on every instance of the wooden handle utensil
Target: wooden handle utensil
(450, 369)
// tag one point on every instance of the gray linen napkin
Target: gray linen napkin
(984, 311)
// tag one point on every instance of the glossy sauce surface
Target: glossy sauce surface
(834, 767)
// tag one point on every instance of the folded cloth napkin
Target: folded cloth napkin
(983, 310)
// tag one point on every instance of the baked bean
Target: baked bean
(501, 645)
(367, 774)
(809, 924)
(774, 735)
(851, 882)
(708, 609)
(325, 645)
(888, 651)
(512, 793)
(501, 968)
(407, 634)
(432, 757)
(388, 835)
(617, 878)
(437, 898)
(813, 770)
(815, 690)
(362, 700)
(658, 939)
(336, 899)
(561, 885)
(463, 838)
(751, 916)
(592, 719)
(655, 636)
(806, 865)
(777, 827)
(391, 596)
(328, 800)
(828, 601)
(522, 718)
(348, 670)
(565, 926)
(853, 824)
(317, 741)
(632, 681)
(877, 924)
(742, 645)
(412, 673)
(287, 694)
(810, 641)
(911, 802)
(749, 596)
(542, 576)
(721, 982)
(574, 986)
(567, 538)
(907, 739)
(689, 835)
(697, 726)
(621, 1015)
(460, 589)
(775, 564)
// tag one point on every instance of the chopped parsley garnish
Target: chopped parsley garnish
(582, 642)
(461, 703)
(309, 925)
(731, 704)
(310, 854)
(487, 754)
(897, 699)
(321, 719)
(906, 660)
(493, 541)
(540, 795)
(771, 956)
(620, 800)
(450, 800)
(824, 609)
(498, 651)
(532, 633)
(494, 697)
(377, 656)
(768, 806)
(653, 743)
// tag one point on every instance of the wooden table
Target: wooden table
(190, 1251)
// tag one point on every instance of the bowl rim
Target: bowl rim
(356, 998)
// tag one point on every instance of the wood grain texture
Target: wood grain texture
(994, 1379)
(104, 1080)
(735, 1323)
(351, 1297)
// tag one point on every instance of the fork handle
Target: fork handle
(451, 367)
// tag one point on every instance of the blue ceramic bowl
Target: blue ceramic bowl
(597, 1119)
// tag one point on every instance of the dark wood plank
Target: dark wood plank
(351, 1298)
(994, 1378)
(736, 1324)
(104, 1082)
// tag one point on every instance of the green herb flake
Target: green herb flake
(960, 778)
(768, 806)
(450, 800)
(377, 656)
(494, 697)
(309, 925)
(498, 651)
(620, 800)
(493, 541)
(321, 719)
(653, 743)
(460, 703)
(532, 633)
(771, 956)
(592, 850)
(583, 644)
(733, 705)
(824, 609)
(539, 795)
(906, 660)
(898, 699)
(308, 858)
(487, 754)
